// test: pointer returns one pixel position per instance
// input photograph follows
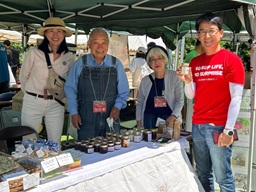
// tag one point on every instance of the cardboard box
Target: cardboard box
(17, 100)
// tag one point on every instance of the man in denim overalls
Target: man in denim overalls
(96, 88)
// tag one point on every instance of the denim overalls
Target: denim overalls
(96, 83)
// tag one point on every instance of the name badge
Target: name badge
(160, 102)
(99, 106)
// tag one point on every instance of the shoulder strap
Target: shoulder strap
(113, 60)
(151, 78)
(84, 59)
(48, 60)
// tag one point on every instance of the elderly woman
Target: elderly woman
(160, 93)
(37, 101)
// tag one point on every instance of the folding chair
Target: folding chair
(13, 132)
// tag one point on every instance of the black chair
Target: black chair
(8, 133)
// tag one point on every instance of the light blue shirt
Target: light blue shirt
(73, 78)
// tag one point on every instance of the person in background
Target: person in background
(4, 72)
(248, 73)
(151, 44)
(10, 57)
(96, 88)
(37, 101)
(160, 93)
(195, 52)
(215, 81)
(138, 67)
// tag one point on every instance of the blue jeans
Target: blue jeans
(211, 158)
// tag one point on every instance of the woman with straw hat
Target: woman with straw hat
(37, 101)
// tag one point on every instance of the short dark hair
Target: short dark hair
(210, 18)
(151, 44)
(7, 42)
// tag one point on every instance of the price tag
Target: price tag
(20, 148)
(40, 153)
(49, 164)
(4, 186)
(29, 150)
(65, 159)
(31, 180)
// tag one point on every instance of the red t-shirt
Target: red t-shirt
(212, 75)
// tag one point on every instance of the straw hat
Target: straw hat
(54, 22)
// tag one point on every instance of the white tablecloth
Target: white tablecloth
(141, 167)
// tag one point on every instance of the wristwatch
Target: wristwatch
(228, 132)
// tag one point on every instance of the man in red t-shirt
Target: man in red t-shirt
(215, 82)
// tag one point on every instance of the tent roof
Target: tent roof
(155, 18)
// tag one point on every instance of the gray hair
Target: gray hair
(159, 51)
(98, 30)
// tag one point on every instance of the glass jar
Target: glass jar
(108, 134)
(148, 135)
(154, 134)
(126, 141)
(77, 145)
(89, 148)
(83, 147)
(111, 147)
(117, 145)
(131, 135)
(161, 126)
(103, 149)
(136, 137)
(96, 147)
(142, 133)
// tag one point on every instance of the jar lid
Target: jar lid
(125, 137)
(89, 146)
(103, 146)
(137, 133)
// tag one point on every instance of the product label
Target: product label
(65, 159)
(49, 164)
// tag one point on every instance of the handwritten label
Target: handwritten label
(4, 186)
(20, 148)
(40, 153)
(49, 164)
(31, 180)
(65, 159)
(29, 150)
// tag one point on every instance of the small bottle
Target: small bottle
(131, 135)
(103, 149)
(117, 145)
(161, 126)
(154, 134)
(96, 147)
(83, 147)
(126, 141)
(136, 137)
(111, 147)
(148, 135)
(89, 148)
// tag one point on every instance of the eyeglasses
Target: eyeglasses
(211, 32)
(154, 60)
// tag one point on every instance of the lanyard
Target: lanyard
(93, 86)
(154, 84)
